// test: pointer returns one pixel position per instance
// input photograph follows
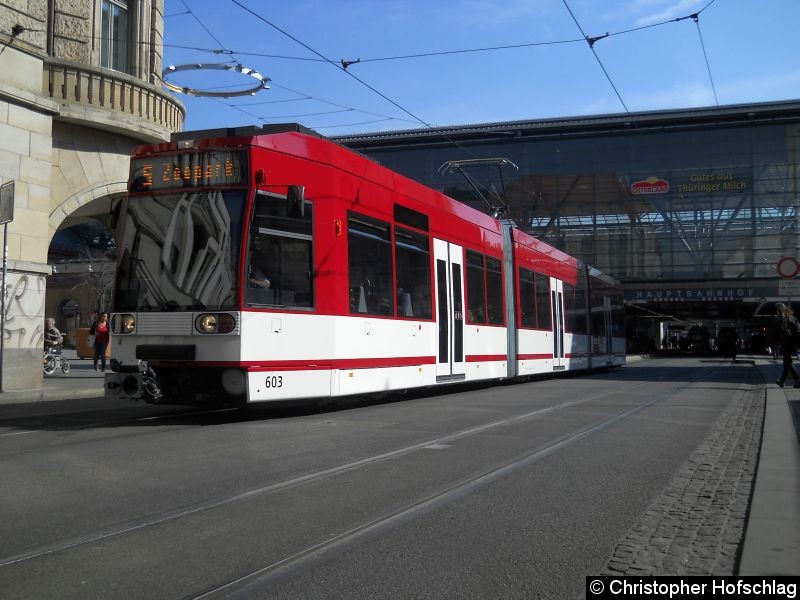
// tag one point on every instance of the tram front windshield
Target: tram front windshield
(180, 251)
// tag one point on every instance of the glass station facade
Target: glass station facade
(691, 210)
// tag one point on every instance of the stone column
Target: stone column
(26, 121)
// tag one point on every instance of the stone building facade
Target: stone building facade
(80, 86)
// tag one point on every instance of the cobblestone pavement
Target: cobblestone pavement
(697, 525)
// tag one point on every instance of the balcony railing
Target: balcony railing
(119, 94)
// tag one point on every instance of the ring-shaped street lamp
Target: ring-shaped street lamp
(261, 85)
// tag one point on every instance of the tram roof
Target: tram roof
(332, 152)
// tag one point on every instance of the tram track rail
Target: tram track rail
(243, 587)
(63, 424)
(258, 581)
(374, 526)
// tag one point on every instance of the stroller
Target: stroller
(52, 359)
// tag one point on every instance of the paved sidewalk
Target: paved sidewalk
(81, 382)
(772, 536)
(772, 539)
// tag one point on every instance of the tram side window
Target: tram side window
(527, 299)
(413, 268)
(598, 315)
(370, 264)
(569, 308)
(574, 309)
(494, 291)
(476, 288)
(617, 315)
(543, 314)
(280, 255)
(581, 324)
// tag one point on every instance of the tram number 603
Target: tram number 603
(274, 381)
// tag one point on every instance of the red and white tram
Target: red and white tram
(273, 265)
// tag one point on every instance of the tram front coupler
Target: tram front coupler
(133, 381)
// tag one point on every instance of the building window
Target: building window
(114, 36)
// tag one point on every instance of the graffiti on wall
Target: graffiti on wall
(23, 326)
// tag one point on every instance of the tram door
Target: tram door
(557, 306)
(449, 269)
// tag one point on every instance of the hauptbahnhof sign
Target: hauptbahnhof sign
(702, 294)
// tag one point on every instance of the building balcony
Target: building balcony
(111, 101)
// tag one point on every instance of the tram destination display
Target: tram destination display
(189, 169)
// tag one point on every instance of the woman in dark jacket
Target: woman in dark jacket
(788, 332)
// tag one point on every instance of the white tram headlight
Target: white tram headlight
(214, 323)
(123, 324)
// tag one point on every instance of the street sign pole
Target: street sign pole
(788, 268)
(6, 216)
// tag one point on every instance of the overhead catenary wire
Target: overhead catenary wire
(232, 53)
(343, 107)
(441, 52)
(344, 64)
(354, 124)
(705, 54)
(344, 69)
(335, 64)
(311, 114)
(365, 112)
(591, 42)
(196, 18)
(240, 108)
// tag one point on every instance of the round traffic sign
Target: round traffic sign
(788, 267)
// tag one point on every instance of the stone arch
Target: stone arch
(82, 278)
(103, 191)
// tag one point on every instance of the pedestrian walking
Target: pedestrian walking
(101, 336)
(788, 336)
(729, 342)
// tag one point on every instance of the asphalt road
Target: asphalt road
(512, 491)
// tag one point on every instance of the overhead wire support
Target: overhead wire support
(232, 54)
(696, 18)
(345, 63)
(208, 31)
(591, 42)
(342, 67)
(332, 62)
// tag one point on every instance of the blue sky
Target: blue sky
(752, 50)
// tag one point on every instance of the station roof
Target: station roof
(732, 114)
